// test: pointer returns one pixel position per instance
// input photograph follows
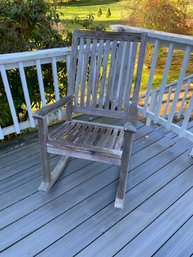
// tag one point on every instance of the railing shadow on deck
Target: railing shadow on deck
(161, 105)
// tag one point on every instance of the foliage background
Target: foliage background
(163, 15)
(27, 25)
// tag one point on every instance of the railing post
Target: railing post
(152, 106)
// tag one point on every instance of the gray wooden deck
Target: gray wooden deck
(77, 216)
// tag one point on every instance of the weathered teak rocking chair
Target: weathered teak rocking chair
(100, 83)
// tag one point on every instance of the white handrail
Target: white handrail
(34, 55)
(10, 61)
(154, 34)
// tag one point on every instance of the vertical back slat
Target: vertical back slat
(164, 80)
(79, 71)
(56, 86)
(151, 76)
(26, 93)
(91, 92)
(94, 86)
(9, 98)
(40, 82)
(129, 75)
(98, 68)
(125, 59)
(139, 68)
(115, 65)
(84, 71)
(104, 73)
(179, 85)
(73, 58)
(111, 76)
(114, 88)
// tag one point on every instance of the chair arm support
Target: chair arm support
(129, 127)
(44, 111)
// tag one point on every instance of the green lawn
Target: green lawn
(82, 8)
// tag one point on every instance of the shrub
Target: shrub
(87, 22)
(99, 12)
(164, 15)
(108, 14)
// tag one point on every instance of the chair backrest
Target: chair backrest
(105, 71)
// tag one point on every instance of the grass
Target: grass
(82, 8)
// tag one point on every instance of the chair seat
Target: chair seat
(88, 137)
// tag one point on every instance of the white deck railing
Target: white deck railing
(30, 59)
(171, 100)
(161, 106)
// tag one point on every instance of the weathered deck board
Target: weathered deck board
(77, 215)
(180, 244)
(159, 231)
(136, 159)
(103, 220)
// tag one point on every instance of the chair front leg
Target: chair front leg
(45, 161)
(127, 144)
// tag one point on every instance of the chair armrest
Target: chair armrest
(44, 111)
(129, 127)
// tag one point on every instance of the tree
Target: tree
(164, 15)
(27, 25)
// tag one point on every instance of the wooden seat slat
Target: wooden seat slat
(88, 134)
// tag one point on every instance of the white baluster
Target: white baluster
(129, 74)
(184, 99)
(167, 102)
(151, 76)
(187, 117)
(179, 85)
(26, 93)
(10, 98)
(152, 106)
(40, 82)
(164, 81)
(56, 86)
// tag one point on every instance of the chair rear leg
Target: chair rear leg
(120, 196)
